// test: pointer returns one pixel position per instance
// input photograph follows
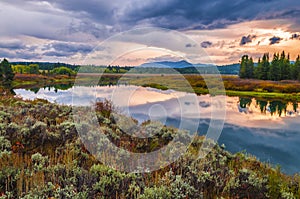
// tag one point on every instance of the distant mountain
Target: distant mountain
(167, 64)
(186, 67)
(170, 64)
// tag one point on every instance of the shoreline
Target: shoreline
(234, 86)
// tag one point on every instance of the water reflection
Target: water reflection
(274, 108)
(34, 90)
(240, 110)
(62, 86)
(267, 129)
(55, 88)
(262, 105)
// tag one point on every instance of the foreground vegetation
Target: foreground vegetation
(42, 156)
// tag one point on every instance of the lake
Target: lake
(268, 130)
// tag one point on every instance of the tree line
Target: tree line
(47, 65)
(26, 69)
(280, 68)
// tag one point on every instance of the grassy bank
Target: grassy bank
(34, 81)
(294, 97)
(234, 86)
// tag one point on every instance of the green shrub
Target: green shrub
(161, 192)
(63, 71)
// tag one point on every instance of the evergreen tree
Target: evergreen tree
(250, 68)
(1, 72)
(274, 73)
(296, 69)
(257, 70)
(287, 64)
(247, 67)
(284, 64)
(265, 67)
(6, 72)
(244, 61)
(279, 69)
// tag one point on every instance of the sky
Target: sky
(70, 30)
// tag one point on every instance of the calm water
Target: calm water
(268, 130)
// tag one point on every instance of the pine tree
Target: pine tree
(265, 67)
(243, 67)
(279, 69)
(284, 64)
(250, 68)
(257, 70)
(274, 73)
(247, 67)
(6, 72)
(296, 71)
(1, 73)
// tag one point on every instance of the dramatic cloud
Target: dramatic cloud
(72, 47)
(16, 49)
(57, 54)
(295, 36)
(62, 49)
(12, 45)
(206, 44)
(275, 40)
(113, 16)
(19, 54)
(189, 45)
(247, 39)
(208, 14)
(26, 55)
(72, 27)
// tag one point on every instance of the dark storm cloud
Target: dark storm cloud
(72, 47)
(63, 49)
(275, 40)
(57, 54)
(17, 49)
(290, 13)
(79, 21)
(100, 10)
(27, 55)
(19, 54)
(117, 15)
(206, 44)
(247, 39)
(7, 54)
(13, 45)
(207, 14)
